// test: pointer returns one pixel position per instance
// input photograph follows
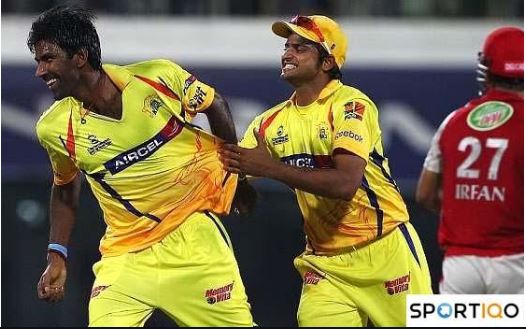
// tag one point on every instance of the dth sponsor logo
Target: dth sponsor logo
(349, 134)
(97, 290)
(220, 294)
(398, 285)
(97, 144)
(311, 277)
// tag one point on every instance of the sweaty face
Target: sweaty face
(300, 61)
(56, 68)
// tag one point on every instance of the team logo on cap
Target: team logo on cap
(354, 110)
(489, 115)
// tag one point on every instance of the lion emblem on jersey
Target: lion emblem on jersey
(151, 105)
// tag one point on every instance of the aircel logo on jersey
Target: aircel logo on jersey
(97, 144)
(152, 105)
(305, 160)
(349, 134)
(283, 137)
(489, 115)
(220, 294)
(144, 150)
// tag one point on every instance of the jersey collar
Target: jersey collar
(328, 90)
(120, 76)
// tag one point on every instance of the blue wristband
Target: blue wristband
(58, 248)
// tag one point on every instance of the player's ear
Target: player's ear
(81, 57)
(328, 63)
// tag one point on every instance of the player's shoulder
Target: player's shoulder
(346, 94)
(273, 110)
(58, 113)
(152, 67)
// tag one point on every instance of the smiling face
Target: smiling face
(301, 60)
(59, 71)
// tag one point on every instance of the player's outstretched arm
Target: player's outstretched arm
(63, 206)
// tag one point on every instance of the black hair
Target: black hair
(506, 83)
(70, 28)
(334, 73)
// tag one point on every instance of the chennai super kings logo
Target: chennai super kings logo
(323, 131)
(354, 110)
(152, 105)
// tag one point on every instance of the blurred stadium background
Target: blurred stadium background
(415, 58)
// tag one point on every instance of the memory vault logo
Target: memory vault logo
(465, 310)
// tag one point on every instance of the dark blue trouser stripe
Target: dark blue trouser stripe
(123, 201)
(223, 234)
(373, 200)
(407, 237)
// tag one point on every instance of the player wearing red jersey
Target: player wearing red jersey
(473, 175)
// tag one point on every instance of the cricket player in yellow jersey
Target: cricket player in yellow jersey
(157, 178)
(362, 256)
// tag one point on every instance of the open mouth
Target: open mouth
(288, 67)
(51, 82)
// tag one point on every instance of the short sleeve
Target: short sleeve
(433, 161)
(249, 139)
(64, 169)
(352, 127)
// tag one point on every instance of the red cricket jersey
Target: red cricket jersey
(482, 148)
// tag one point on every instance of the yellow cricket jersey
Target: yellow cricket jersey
(150, 169)
(341, 118)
